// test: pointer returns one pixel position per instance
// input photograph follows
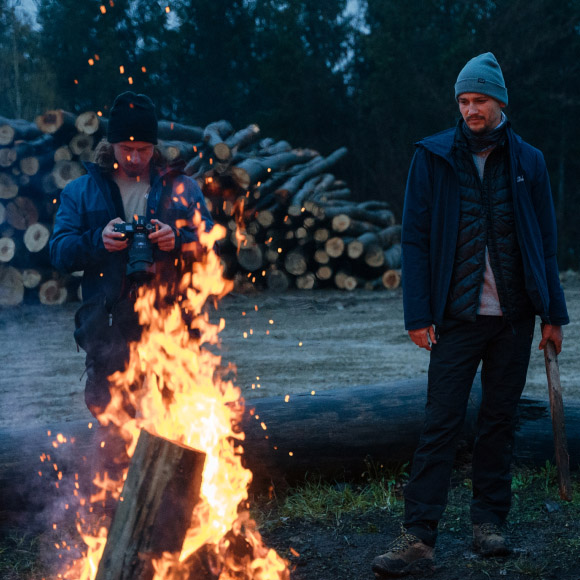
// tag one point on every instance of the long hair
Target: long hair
(105, 157)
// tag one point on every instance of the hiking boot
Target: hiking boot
(488, 540)
(406, 555)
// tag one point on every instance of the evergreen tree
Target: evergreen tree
(26, 81)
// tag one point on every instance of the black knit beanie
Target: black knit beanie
(132, 118)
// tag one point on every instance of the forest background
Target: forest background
(372, 75)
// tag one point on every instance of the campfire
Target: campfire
(181, 431)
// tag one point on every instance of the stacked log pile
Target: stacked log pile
(290, 222)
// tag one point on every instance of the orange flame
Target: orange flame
(185, 399)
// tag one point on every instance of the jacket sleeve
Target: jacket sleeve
(415, 242)
(544, 208)
(73, 246)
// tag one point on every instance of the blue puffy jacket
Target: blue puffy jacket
(431, 222)
(87, 206)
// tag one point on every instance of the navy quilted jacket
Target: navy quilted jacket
(87, 206)
(431, 222)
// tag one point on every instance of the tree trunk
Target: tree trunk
(331, 433)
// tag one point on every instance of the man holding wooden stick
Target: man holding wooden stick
(479, 263)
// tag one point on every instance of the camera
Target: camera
(140, 265)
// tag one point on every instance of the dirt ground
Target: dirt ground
(291, 343)
(281, 344)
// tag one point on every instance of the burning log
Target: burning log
(162, 488)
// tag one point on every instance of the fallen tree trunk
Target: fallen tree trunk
(331, 433)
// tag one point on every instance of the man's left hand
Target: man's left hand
(553, 333)
(163, 236)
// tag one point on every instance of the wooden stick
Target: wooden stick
(558, 423)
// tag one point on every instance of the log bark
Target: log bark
(168, 130)
(294, 183)
(243, 137)
(257, 169)
(393, 257)
(162, 488)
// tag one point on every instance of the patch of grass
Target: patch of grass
(318, 500)
(19, 557)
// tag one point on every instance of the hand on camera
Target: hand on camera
(163, 236)
(114, 241)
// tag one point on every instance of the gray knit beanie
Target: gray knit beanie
(482, 74)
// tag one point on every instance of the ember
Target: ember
(185, 399)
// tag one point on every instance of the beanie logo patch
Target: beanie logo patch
(482, 81)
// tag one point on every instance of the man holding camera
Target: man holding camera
(128, 189)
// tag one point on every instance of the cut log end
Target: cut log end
(36, 237)
(11, 286)
(51, 293)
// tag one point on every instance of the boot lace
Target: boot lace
(403, 542)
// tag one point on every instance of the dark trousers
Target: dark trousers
(503, 348)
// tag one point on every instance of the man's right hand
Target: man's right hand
(114, 241)
(423, 337)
